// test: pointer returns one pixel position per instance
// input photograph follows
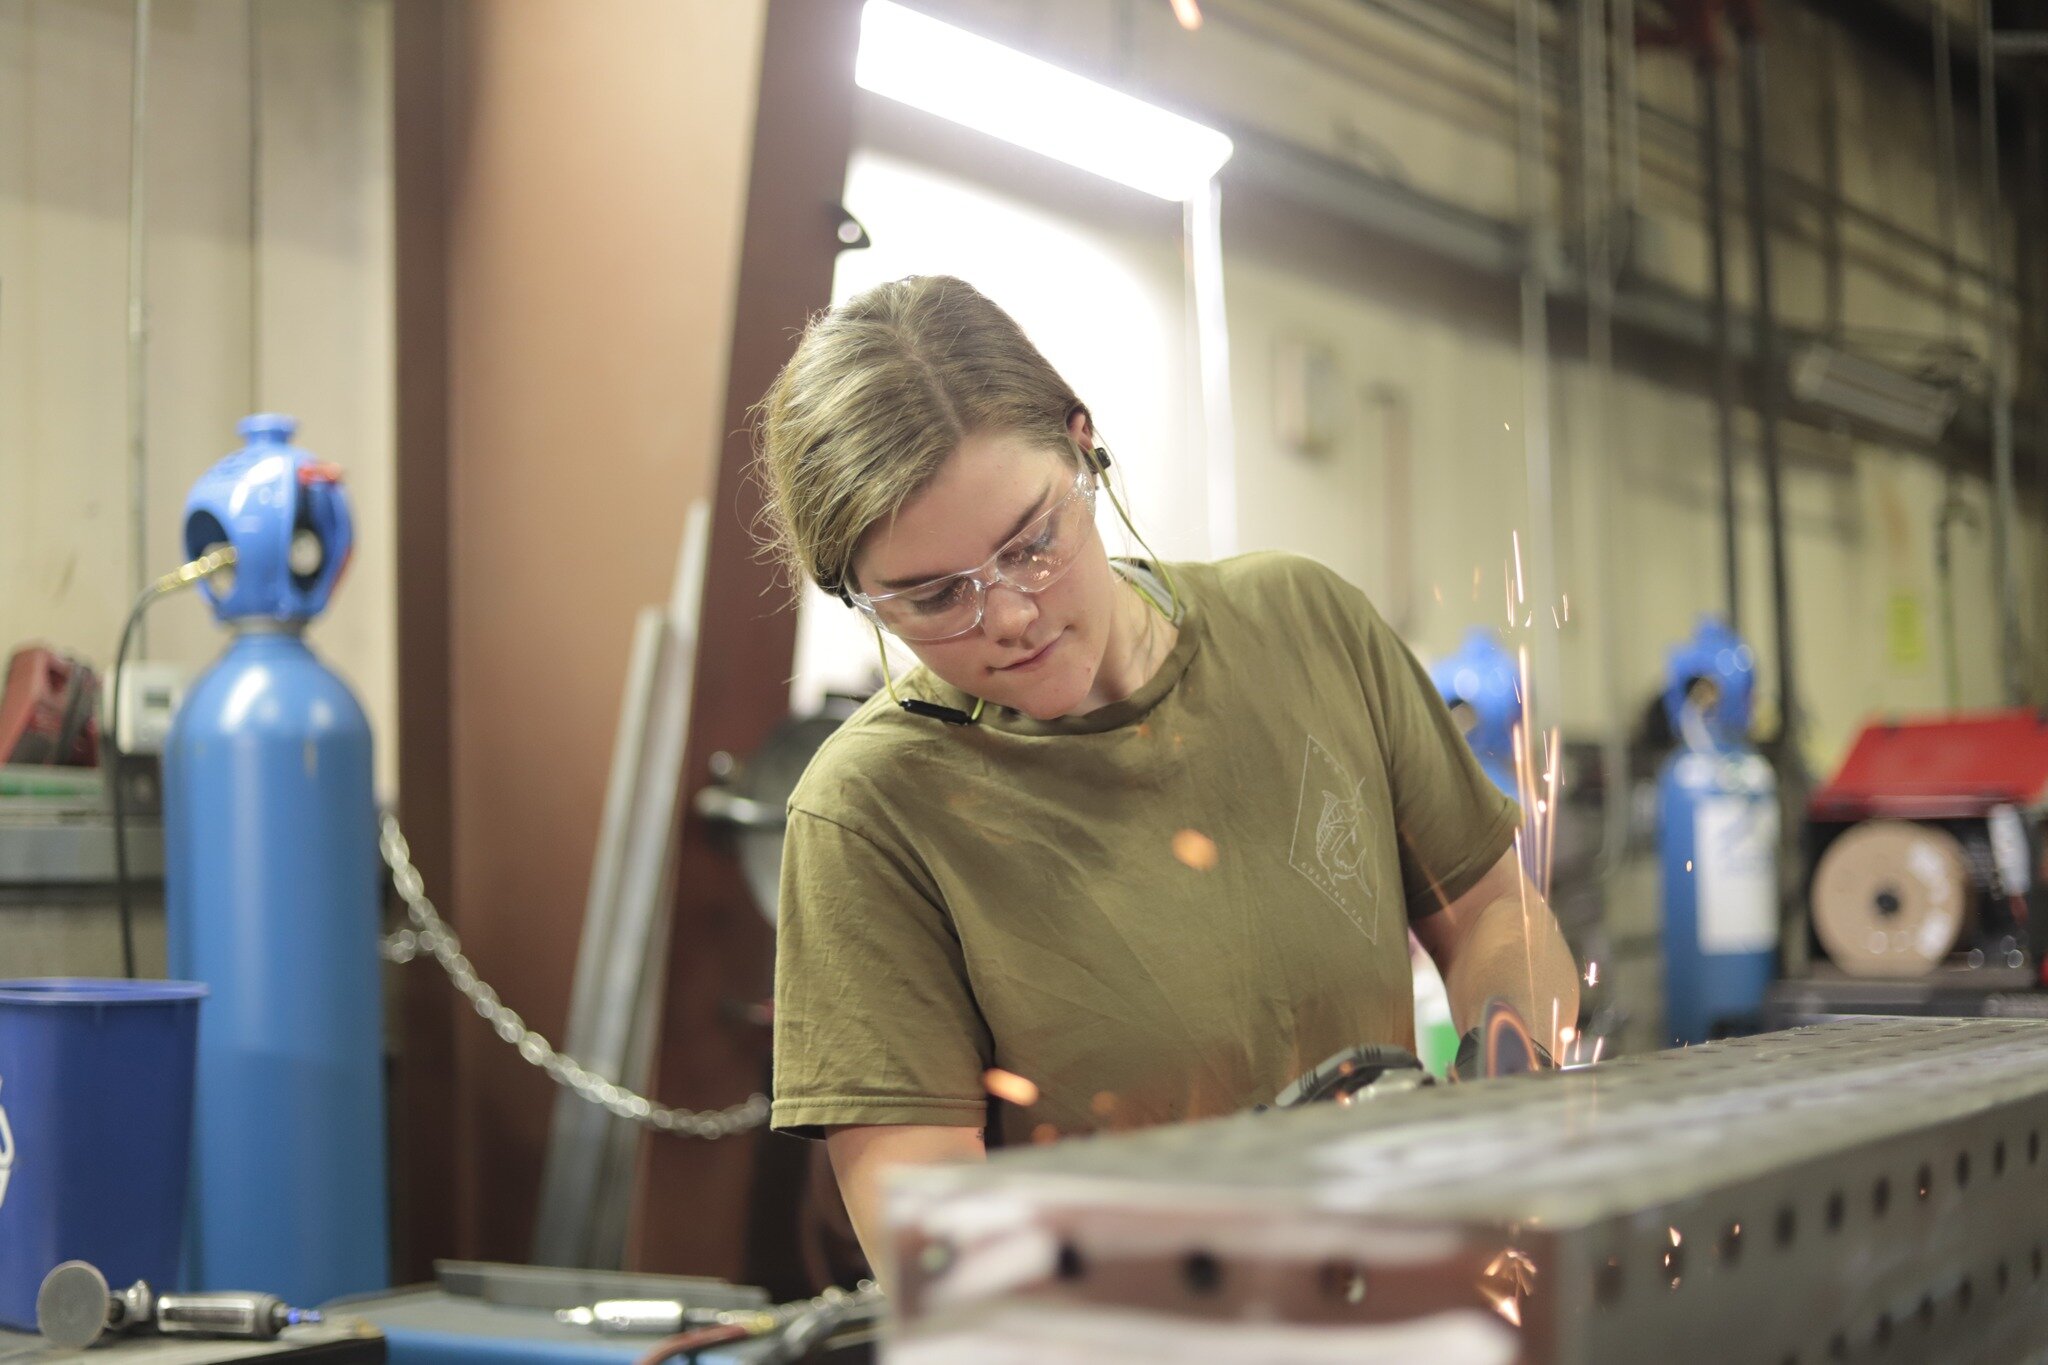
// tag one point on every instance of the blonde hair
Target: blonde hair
(879, 392)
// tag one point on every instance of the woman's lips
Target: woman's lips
(1032, 661)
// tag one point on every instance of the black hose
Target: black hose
(111, 738)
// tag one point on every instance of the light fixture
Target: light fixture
(997, 90)
(1860, 388)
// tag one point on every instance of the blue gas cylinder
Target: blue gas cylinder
(1480, 684)
(1717, 835)
(271, 889)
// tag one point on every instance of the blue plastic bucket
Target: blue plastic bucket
(95, 1130)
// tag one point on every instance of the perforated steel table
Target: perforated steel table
(1857, 1190)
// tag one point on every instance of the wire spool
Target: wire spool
(1891, 897)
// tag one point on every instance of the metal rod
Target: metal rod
(138, 322)
(2012, 668)
(1770, 378)
(1716, 212)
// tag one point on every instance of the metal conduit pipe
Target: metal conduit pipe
(1770, 378)
(1948, 193)
(2010, 646)
(1715, 209)
(1490, 40)
(1596, 204)
(138, 321)
(1540, 250)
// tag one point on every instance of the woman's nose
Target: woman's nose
(1007, 614)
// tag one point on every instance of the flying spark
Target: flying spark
(1517, 537)
(1592, 973)
(1196, 849)
(1009, 1087)
(1188, 13)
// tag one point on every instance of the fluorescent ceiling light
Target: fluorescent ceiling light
(1859, 388)
(960, 76)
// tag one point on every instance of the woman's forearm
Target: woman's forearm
(863, 1156)
(1515, 950)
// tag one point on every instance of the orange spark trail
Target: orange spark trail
(1009, 1087)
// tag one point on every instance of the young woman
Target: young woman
(1148, 836)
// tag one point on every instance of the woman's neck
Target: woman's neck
(1138, 644)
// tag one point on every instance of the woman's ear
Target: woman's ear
(1081, 427)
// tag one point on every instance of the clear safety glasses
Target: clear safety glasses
(1031, 561)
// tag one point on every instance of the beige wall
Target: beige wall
(268, 286)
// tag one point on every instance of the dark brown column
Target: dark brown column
(569, 235)
(696, 1199)
(424, 1171)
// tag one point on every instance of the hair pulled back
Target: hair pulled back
(879, 392)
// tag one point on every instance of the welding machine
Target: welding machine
(1926, 849)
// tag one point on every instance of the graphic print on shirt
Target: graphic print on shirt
(1330, 837)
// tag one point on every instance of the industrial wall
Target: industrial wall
(265, 192)
(1413, 483)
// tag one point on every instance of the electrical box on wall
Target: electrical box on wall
(150, 694)
(1308, 396)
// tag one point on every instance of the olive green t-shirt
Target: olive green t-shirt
(1165, 909)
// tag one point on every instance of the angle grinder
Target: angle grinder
(75, 1308)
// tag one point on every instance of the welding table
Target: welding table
(1864, 1190)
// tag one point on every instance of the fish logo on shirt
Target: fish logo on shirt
(1340, 835)
(1332, 837)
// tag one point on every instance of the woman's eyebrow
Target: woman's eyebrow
(1038, 506)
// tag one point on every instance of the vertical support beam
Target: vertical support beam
(424, 1172)
(696, 1199)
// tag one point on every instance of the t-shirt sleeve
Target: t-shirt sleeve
(874, 1018)
(1451, 821)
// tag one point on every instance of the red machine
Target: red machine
(49, 711)
(1927, 846)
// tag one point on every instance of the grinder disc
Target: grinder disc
(1890, 898)
(71, 1307)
